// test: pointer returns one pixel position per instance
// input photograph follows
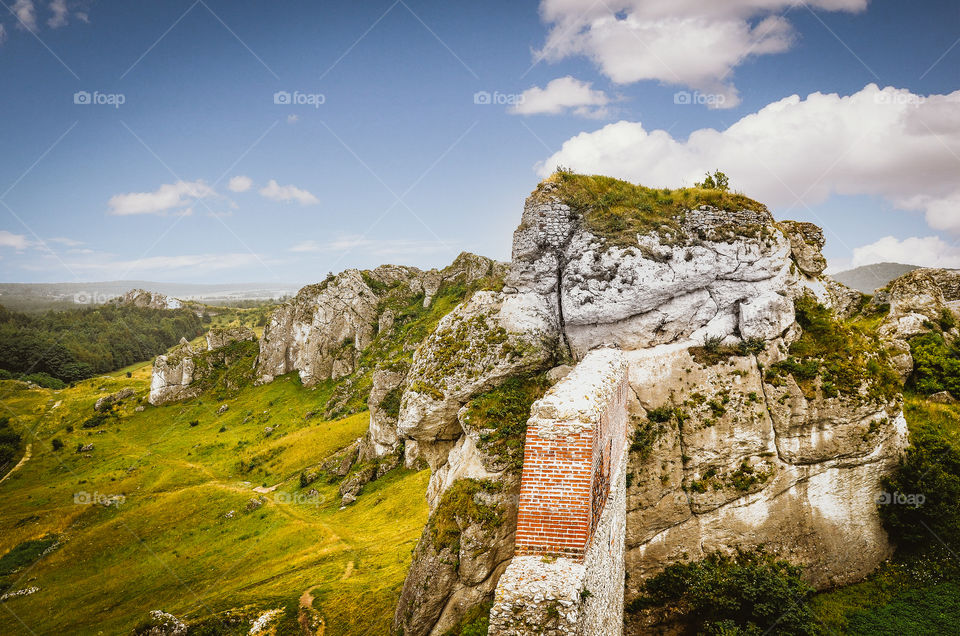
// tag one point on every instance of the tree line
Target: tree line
(80, 343)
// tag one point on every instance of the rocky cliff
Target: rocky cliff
(225, 365)
(761, 417)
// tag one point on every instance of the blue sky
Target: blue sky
(199, 176)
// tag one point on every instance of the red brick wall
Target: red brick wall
(566, 481)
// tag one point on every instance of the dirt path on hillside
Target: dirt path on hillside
(24, 460)
(311, 622)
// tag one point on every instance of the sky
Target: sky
(216, 141)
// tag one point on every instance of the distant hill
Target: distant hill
(42, 296)
(869, 278)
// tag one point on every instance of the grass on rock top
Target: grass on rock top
(618, 211)
(170, 544)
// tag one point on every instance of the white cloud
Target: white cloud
(62, 240)
(173, 196)
(160, 265)
(59, 10)
(26, 14)
(889, 143)
(378, 247)
(16, 241)
(240, 183)
(695, 43)
(277, 192)
(928, 251)
(3, 34)
(561, 95)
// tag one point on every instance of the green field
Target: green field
(173, 543)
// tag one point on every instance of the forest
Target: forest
(56, 348)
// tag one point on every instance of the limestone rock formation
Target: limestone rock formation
(322, 332)
(459, 558)
(732, 449)
(666, 287)
(182, 372)
(222, 336)
(107, 401)
(918, 303)
(172, 377)
(729, 459)
(477, 346)
(806, 241)
(148, 300)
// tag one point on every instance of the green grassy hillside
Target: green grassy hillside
(184, 536)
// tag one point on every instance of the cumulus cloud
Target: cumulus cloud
(59, 11)
(16, 241)
(277, 192)
(889, 143)
(175, 197)
(26, 14)
(240, 183)
(928, 251)
(695, 43)
(562, 95)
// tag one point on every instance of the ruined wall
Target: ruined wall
(567, 577)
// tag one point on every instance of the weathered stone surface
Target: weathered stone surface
(222, 336)
(172, 376)
(943, 397)
(664, 289)
(748, 467)
(486, 340)
(322, 332)
(148, 300)
(844, 300)
(917, 303)
(107, 401)
(382, 437)
(443, 585)
(806, 241)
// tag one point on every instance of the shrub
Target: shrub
(749, 592)
(97, 420)
(840, 354)
(501, 416)
(57, 443)
(194, 422)
(936, 365)
(931, 468)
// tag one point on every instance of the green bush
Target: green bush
(750, 592)
(97, 420)
(936, 365)
(931, 470)
(501, 416)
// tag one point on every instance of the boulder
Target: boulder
(806, 243)
(104, 403)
